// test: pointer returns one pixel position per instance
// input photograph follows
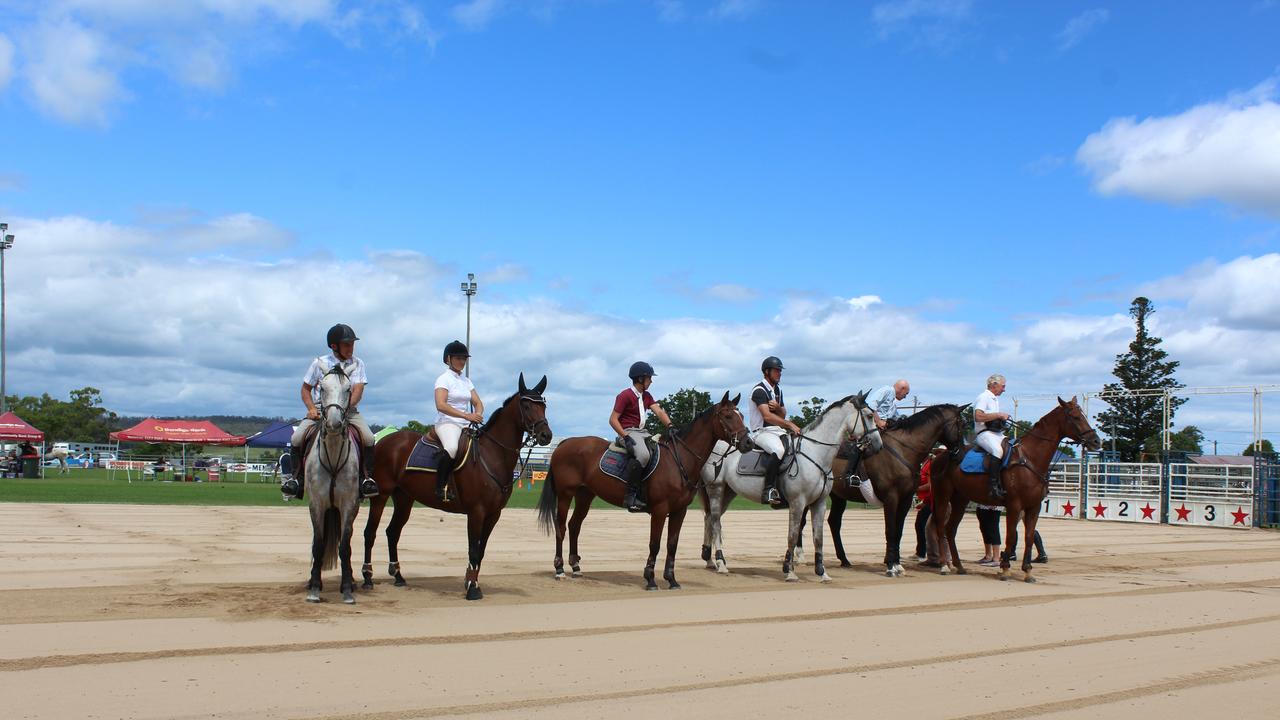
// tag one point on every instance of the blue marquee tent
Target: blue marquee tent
(275, 435)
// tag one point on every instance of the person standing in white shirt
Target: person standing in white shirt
(989, 424)
(457, 406)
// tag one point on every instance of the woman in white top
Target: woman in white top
(454, 393)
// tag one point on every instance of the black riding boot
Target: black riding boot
(444, 477)
(293, 484)
(993, 470)
(771, 494)
(632, 502)
(368, 488)
(851, 479)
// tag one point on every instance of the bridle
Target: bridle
(530, 439)
(321, 455)
(676, 438)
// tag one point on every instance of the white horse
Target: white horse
(60, 455)
(805, 485)
(333, 486)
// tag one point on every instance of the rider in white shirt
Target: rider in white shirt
(767, 421)
(989, 424)
(457, 406)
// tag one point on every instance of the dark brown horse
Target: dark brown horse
(575, 476)
(482, 486)
(1026, 482)
(895, 474)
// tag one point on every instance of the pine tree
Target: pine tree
(1133, 419)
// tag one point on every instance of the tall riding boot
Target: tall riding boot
(632, 501)
(293, 484)
(851, 479)
(368, 488)
(771, 494)
(444, 479)
(993, 470)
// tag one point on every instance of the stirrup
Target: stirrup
(292, 488)
(369, 488)
(633, 503)
(997, 490)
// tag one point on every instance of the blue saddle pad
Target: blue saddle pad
(975, 460)
(613, 463)
(424, 456)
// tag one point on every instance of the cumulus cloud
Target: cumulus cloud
(1080, 26)
(74, 53)
(193, 318)
(1227, 150)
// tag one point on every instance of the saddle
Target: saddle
(975, 458)
(755, 462)
(427, 453)
(613, 462)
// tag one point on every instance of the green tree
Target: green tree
(809, 411)
(82, 419)
(1133, 419)
(417, 427)
(1264, 445)
(682, 407)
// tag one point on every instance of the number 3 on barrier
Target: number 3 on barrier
(1210, 513)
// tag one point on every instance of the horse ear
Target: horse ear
(523, 389)
(736, 398)
(965, 406)
(542, 385)
(1061, 401)
(725, 399)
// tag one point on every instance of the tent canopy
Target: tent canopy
(275, 435)
(13, 427)
(384, 432)
(194, 432)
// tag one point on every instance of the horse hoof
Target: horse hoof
(473, 593)
(313, 597)
(792, 577)
(825, 578)
(348, 598)
(674, 585)
(400, 582)
(944, 570)
(961, 571)
(577, 573)
(559, 576)
(1004, 578)
(845, 563)
(1030, 579)
(366, 585)
(650, 588)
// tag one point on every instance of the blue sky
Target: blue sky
(963, 169)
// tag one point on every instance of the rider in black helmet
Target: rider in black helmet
(457, 406)
(627, 420)
(767, 421)
(342, 344)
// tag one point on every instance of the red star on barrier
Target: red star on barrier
(1183, 512)
(1239, 515)
(1146, 512)
(1099, 510)
(1069, 509)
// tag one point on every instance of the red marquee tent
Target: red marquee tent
(13, 427)
(185, 432)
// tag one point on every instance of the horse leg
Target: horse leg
(954, 513)
(893, 532)
(717, 502)
(819, 509)
(475, 539)
(673, 539)
(835, 519)
(400, 516)
(706, 527)
(317, 554)
(1010, 532)
(797, 557)
(376, 505)
(1029, 520)
(489, 522)
(656, 521)
(796, 516)
(344, 556)
(562, 513)
(581, 506)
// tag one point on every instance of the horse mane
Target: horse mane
(924, 417)
(684, 429)
(829, 408)
(494, 415)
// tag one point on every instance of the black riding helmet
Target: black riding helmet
(339, 334)
(640, 369)
(771, 363)
(457, 347)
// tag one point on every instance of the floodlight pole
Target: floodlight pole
(6, 242)
(469, 289)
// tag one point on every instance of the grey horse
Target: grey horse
(333, 486)
(805, 485)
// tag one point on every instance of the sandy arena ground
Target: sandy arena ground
(185, 612)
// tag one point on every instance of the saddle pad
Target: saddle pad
(755, 461)
(975, 460)
(312, 436)
(426, 456)
(613, 463)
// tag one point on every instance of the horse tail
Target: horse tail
(332, 533)
(547, 502)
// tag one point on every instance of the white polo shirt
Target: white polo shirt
(987, 402)
(353, 367)
(460, 388)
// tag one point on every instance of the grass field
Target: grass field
(96, 486)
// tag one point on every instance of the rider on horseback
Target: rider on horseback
(989, 424)
(454, 394)
(627, 420)
(342, 342)
(884, 405)
(767, 422)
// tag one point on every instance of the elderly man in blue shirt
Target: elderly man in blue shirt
(883, 402)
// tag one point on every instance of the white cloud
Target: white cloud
(729, 292)
(6, 61)
(196, 319)
(929, 22)
(476, 14)
(1228, 151)
(70, 71)
(1080, 26)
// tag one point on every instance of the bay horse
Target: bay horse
(333, 485)
(575, 476)
(482, 486)
(1026, 483)
(895, 475)
(805, 484)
